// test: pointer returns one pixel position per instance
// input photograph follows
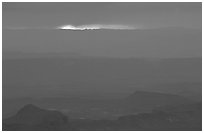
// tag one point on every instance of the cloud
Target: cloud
(96, 27)
(81, 27)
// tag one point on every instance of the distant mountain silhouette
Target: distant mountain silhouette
(191, 90)
(150, 100)
(35, 118)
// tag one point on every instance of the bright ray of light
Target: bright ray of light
(96, 27)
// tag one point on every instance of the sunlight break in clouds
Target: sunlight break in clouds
(96, 27)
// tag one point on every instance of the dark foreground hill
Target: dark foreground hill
(31, 117)
(187, 117)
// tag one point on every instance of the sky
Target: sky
(33, 27)
(146, 15)
(132, 30)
